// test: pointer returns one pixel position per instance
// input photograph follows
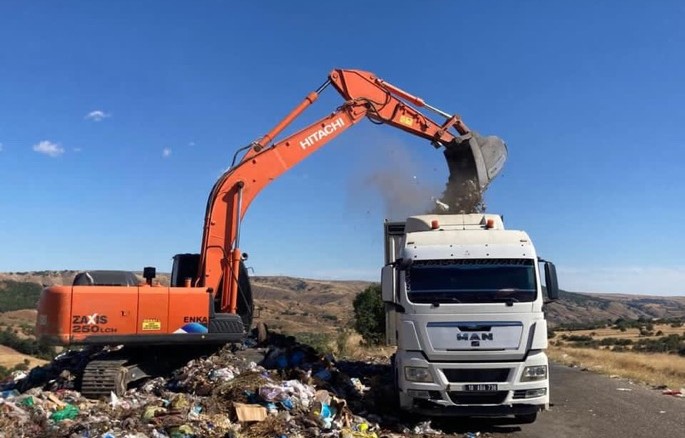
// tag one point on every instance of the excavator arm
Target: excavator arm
(365, 96)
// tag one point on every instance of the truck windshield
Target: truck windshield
(471, 281)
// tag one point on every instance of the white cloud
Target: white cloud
(166, 152)
(48, 148)
(642, 280)
(97, 116)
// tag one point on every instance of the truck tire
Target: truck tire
(526, 418)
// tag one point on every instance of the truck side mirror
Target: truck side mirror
(551, 281)
(388, 284)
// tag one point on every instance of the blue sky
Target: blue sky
(117, 118)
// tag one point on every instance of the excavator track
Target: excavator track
(101, 377)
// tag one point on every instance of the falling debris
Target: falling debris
(473, 162)
(441, 205)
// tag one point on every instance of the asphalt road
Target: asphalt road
(585, 404)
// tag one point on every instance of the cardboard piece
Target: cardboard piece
(53, 398)
(248, 413)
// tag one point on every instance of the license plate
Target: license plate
(481, 387)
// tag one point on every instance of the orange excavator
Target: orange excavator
(209, 300)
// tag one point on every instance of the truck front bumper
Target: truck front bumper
(472, 389)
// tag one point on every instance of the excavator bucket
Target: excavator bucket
(473, 162)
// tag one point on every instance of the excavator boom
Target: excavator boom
(366, 96)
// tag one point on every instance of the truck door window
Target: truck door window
(472, 281)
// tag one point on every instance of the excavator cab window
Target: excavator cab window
(106, 278)
(245, 302)
(185, 266)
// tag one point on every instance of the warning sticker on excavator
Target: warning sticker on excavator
(406, 120)
(152, 325)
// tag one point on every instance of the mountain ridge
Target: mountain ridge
(300, 304)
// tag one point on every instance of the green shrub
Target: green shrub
(17, 295)
(30, 347)
(369, 315)
(321, 342)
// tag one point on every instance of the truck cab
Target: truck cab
(464, 305)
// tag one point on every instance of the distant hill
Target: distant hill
(303, 305)
(573, 307)
(47, 278)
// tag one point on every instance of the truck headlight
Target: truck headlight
(418, 374)
(537, 372)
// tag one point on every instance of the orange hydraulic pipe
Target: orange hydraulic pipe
(236, 256)
(269, 137)
(400, 92)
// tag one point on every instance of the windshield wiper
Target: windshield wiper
(509, 301)
(445, 300)
(434, 298)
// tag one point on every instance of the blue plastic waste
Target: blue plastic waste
(9, 393)
(296, 358)
(287, 404)
(281, 362)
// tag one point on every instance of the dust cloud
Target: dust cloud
(405, 188)
(393, 174)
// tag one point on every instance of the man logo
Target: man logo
(474, 336)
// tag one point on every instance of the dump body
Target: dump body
(464, 306)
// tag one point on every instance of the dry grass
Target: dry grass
(9, 358)
(652, 369)
(631, 333)
(351, 347)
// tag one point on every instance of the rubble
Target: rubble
(292, 392)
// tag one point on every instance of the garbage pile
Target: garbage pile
(291, 392)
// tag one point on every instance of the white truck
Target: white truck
(463, 302)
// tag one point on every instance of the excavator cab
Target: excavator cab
(185, 268)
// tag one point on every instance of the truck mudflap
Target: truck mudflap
(473, 162)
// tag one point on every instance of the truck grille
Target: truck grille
(476, 376)
(477, 398)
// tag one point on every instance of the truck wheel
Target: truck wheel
(526, 418)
